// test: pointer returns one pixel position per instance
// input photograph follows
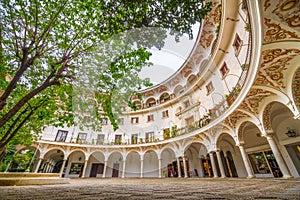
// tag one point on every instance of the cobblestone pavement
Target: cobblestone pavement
(172, 188)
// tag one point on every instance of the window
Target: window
(100, 138)
(104, 121)
(150, 118)
(237, 44)
(81, 138)
(149, 137)
(209, 88)
(134, 120)
(134, 138)
(165, 114)
(189, 121)
(118, 139)
(186, 104)
(61, 136)
(76, 168)
(224, 70)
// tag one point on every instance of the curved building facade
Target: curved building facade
(232, 109)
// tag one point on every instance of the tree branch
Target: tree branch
(47, 83)
(13, 125)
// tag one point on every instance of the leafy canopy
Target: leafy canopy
(45, 44)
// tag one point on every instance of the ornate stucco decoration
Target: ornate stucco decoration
(296, 88)
(267, 117)
(288, 12)
(234, 117)
(276, 32)
(253, 99)
(275, 62)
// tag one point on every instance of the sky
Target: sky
(170, 58)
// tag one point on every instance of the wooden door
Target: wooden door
(94, 170)
(115, 172)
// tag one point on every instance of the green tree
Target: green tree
(42, 44)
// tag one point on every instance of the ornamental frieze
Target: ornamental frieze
(275, 32)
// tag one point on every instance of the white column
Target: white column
(38, 165)
(179, 168)
(213, 164)
(142, 166)
(278, 157)
(84, 168)
(246, 162)
(228, 166)
(159, 168)
(184, 167)
(124, 167)
(104, 170)
(62, 168)
(220, 164)
(47, 167)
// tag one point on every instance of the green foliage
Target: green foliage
(45, 44)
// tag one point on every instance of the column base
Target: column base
(287, 177)
(251, 176)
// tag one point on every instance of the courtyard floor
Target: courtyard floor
(172, 188)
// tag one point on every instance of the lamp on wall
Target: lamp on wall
(291, 132)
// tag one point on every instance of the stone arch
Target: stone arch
(296, 88)
(52, 160)
(240, 127)
(54, 148)
(279, 120)
(96, 162)
(133, 164)
(178, 90)
(151, 163)
(138, 104)
(191, 80)
(114, 164)
(150, 102)
(219, 138)
(164, 97)
(168, 156)
(193, 152)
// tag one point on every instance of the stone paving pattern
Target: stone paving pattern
(169, 188)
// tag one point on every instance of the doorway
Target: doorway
(115, 172)
(97, 168)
